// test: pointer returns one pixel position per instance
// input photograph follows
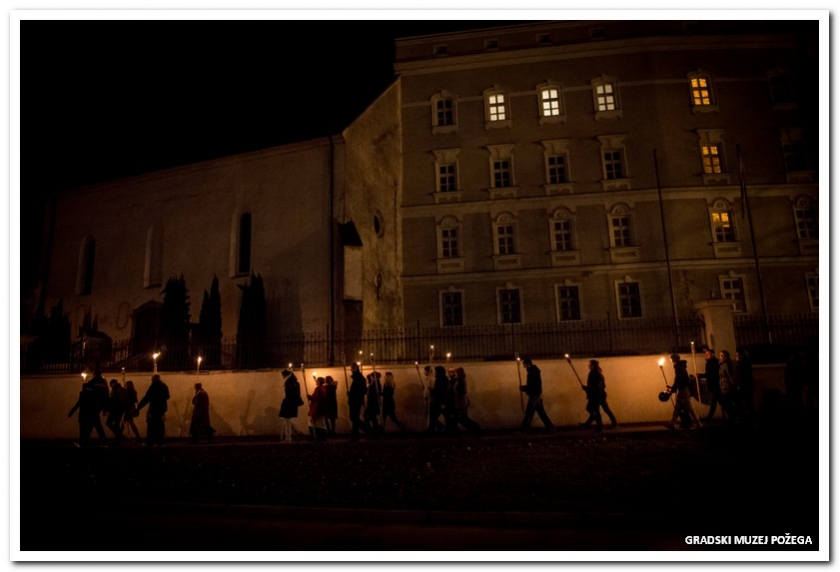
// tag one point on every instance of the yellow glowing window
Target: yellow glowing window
(700, 92)
(550, 102)
(711, 159)
(605, 97)
(722, 223)
(497, 107)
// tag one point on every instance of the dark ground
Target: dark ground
(638, 488)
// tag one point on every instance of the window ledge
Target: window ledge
(624, 254)
(503, 193)
(559, 189)
(449, 265)
(809, 246)
(549, 119)
(507, 261)
(727, 249)
(504, 123)
(611, 114)
(705, 108)
(615, 184)
(447, 197)
(717, 179)
(800, 176)
(565, 257)
(444, 129)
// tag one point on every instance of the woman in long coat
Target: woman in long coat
(289, 408)
(200, 422)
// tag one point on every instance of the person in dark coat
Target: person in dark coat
(289, 407)
(200, 420)
(596, 397)
(156, 398)
(372, 405)
(100, 397)
(682, 387)
(355, 401)
(131, 408)
(116, 410)
(533, 389)
(88, 414)
(437, 399)
(462, 403)
(389, 404)
(712, 377)
(332, 404)
(318, 409)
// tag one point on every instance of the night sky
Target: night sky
(102, 100)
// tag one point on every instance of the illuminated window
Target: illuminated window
(452, 308)
(712, 158)
(84, 272)
(605, 97)
(812, 282)
(806, 219)
(496, 108)
(550, 103)
(732, 288)
(722, 228)
(629, 300)
(568, 303)
(701, 93)
(509, 306)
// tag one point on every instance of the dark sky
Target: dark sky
(101, 100)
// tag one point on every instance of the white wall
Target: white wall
(247, 403)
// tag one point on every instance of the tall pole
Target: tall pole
(667, 250)
(745, 197)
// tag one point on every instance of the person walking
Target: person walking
(200, 420)
(88, 414)
(462, 403)
(596, 397)
(318, 410)
(332, 405)
(99, 387)
(681, 387)
(437, 399)
(372, 405)
(533, 389)
(156, 398)
(355, 402)
(728, 387)
(389, 404)
(289, 406)
(712, 377)
(116, 410)
(131, 409)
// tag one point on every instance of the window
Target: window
(556, 169)
(557, 175)
(568, 303)
(794, 150)
(243, 265)
(563, 234)
(501, 174)
(806, 219)
(620, 228)
(449, 258)
(812, 283)
(510, 308)
(561, 227)
(623, 246)
(605, 98)
(505, 239)
(722, 224)
(447, 178)
(614, 165)
(496, 108)
(452, 308)
(550, 97)
(450, 244)
(84, 272)
(153, 268)
(629, 300)
(711, 156)
(732, 288)
(782, 92)
(701, 93)
(502, 182)
(444, 113)
(446, 173)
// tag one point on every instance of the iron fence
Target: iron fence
(780, 331)
(406, 345)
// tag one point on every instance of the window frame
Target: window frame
(718, 227)
(442, 305)
(559, 98)
(739, 303)
(446, 261)
(559, 301)
(620, 297)
(610, 88)
(500, 304)
(491, 108)
(702, 98)
(437, 125)
(813, 290)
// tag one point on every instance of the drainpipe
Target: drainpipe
(331, 333)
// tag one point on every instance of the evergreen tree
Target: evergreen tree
(251, 330)
(210, 326)
(175, 325)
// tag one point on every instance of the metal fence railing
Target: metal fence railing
(780, 331)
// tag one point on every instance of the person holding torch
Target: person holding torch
(533, 389)
(682, 387)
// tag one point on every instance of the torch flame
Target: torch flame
(661, 361)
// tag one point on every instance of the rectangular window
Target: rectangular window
(711, 159)
(722, 226)
(795, 157)
(447, 178)
(563, 235)
(452, 309)
(733, 289)
(605, 97)
(501, 174)
(700, 93)
(556, 169)
(505, 239)
(550, 102)
(621, 230)
(568, 299)
(445, 112)
(497, 107)
(450, 247)
(806, 223)
(813, 283)
(510, 310)
(629, 300)
(613, 165)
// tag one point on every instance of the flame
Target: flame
(661, 361)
